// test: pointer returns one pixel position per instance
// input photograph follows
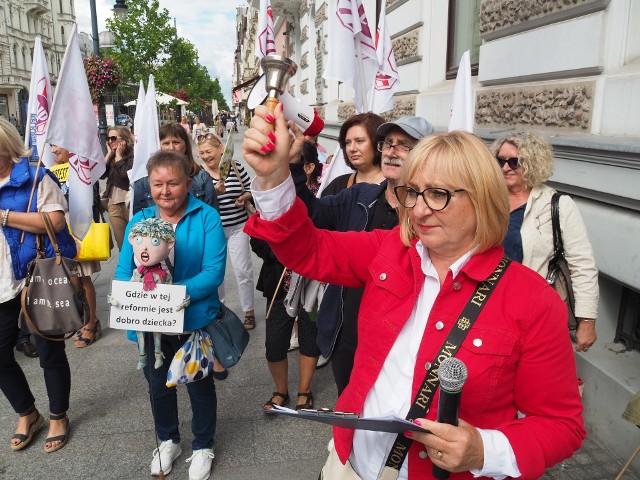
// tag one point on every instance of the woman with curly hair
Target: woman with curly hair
(526, 161)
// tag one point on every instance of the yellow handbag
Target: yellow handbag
(96, 244)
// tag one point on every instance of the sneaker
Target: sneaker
(293, 344)
(322, 361)
(200, 468)
(165, 455)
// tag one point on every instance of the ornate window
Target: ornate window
(464, 34)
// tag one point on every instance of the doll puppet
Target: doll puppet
(152, 240)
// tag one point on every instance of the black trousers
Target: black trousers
(278, 329)
(53, 361)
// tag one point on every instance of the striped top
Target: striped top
(229, 213)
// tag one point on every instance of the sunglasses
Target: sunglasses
(113, 138)
(513, 162)
(208, 136)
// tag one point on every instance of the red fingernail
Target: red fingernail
(408, 434)
(417, 422)
(272, 136)
(282, 107)
(265, 150)
(270, 118)
(271, 146)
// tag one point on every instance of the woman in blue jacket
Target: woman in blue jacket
(198, 261)
(20, 222)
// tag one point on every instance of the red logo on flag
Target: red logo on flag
(384, 82)
(43, 107)
(83, 167)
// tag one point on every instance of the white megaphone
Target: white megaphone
(302, 115)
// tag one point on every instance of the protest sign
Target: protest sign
(147, 311)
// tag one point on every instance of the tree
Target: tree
(183, 71)
(142, 38)
(146, 43)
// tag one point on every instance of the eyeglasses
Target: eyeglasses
(208, 136)
(436, 198)
(513, 162)
(383, 146)
(113, 138)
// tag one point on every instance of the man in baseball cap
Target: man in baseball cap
(399, 137)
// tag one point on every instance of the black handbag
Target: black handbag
(53, 302)
(559, 275)
(228, 337)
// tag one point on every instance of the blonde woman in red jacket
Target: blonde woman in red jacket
(520, 410)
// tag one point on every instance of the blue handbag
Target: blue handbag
(228, 337)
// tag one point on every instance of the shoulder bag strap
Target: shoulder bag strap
(558, 246)
(352, 178)
(449, 348)
(33, 189)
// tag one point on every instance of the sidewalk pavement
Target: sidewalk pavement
(112, 435)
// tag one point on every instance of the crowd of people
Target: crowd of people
(398, 249)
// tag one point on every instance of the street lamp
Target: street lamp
(119, 8)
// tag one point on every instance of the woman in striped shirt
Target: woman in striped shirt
(232, 193)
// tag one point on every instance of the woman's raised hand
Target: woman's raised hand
(267, 151)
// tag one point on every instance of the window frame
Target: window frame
(452, 64)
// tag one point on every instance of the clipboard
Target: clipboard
(388, 423)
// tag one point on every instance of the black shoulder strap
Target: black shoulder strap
(558, 245)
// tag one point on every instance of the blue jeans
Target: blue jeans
(164, 400)
(53, 360)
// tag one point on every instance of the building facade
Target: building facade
(21, 21)
(569, 69)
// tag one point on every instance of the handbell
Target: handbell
(277, 71)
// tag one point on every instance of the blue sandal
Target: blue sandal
(34, 428)
(58, 438)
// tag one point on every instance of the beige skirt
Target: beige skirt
(89, 267)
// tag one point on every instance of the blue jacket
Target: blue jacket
(200, 257)
(14, 195)
(350, 210)
(201, 187)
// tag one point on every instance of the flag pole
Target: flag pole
(363, 90)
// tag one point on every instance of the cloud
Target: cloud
(209, 25)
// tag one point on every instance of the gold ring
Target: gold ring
(439, 455)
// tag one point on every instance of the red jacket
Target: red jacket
(521, 359)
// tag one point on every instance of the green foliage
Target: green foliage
(146, 43)
(142, 38)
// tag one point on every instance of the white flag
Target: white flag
(146, 133)
(352, 53)
(386, 81)
(265, 37)
(461, 117)
(214, 108)
(337, 167)
(138, 170)
(40, 96)
(72, 125)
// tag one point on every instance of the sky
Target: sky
(209, 24)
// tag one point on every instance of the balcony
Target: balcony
(35, 6)
(279, 6)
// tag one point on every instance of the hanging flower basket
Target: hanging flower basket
(103, 74)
